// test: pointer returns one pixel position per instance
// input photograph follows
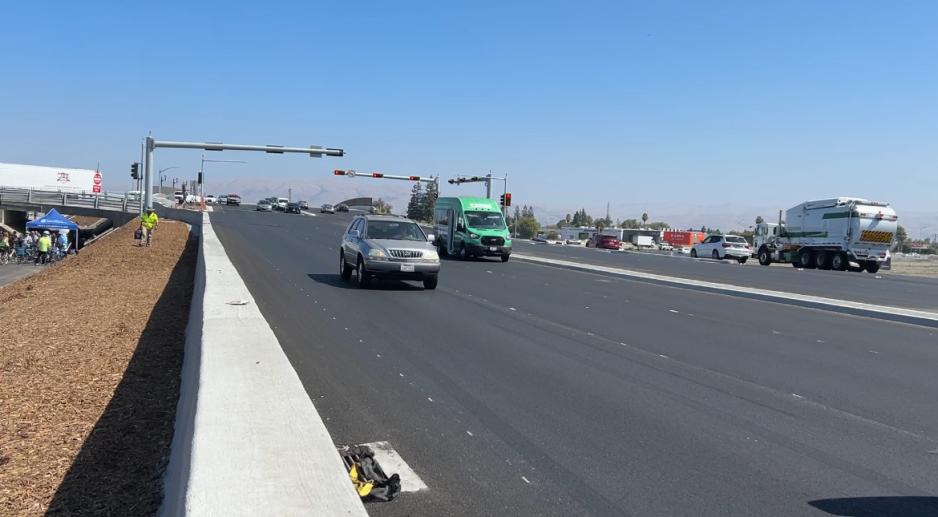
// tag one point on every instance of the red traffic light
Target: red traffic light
(414, 178)
(377, 175)
(337, 172)
(508, 199)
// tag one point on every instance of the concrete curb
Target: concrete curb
(248, 440)
(916, 317)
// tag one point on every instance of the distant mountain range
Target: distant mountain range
(725, 216)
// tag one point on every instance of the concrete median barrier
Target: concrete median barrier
(248, 440)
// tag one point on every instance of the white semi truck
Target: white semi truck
(50, 178)
(841, 233)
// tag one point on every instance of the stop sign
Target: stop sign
(97, 177)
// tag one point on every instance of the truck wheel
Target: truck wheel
(715, 255)
(839, 261)
(871, 266)
(822, 260)
(806, 259)
(764, 257)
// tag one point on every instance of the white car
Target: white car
(684, 250)
(574, 242)
(721, 247)
(209, 199)
(664, 246)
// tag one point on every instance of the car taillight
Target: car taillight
(726, 245)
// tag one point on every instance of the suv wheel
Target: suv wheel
(715, 255)
(505, 257)
(344, 270)
(430, 281)
(693, 253)
(362, 275)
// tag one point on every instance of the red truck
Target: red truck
(678, 238)
(603, 241)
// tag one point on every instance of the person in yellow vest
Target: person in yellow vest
(148, 222)
(43, 245)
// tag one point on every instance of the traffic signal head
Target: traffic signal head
(338, 172)
(377, 175)
(414, 178)
(200, 178)
(501, 200)
(507, 197)
(135, 170)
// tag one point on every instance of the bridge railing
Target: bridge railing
(102, 201)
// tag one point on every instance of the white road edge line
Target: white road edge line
(767, 293)
(392, 463)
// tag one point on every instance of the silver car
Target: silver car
(382, 246)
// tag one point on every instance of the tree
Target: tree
(552, 235)
(567, 219)
(644, 218)
(901, 237)
(527, 227)
(658, 225)
(415, 205)
(561, 223)
(428, 202)
(630, 224)
(382, 206)
(759, 219)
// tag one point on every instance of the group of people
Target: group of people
(18, 244)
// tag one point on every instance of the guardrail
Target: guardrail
(101, 201)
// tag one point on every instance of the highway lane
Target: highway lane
(522, 389)
(883, 288)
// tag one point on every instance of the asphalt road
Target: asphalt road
(883, 288)
(518, 389)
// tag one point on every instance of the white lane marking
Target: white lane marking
(797, 396)
(307, 213)
(392, 463)
(663, 356)
(768, 293)
(776, 332)
(873, 352)
(673, 311)
(525, 480)
(512, 309)
(430, 399)
(469, 432)
(819, 340)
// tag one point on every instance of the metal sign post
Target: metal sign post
(152, 144)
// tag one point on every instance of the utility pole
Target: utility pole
(488, 185)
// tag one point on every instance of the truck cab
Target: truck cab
(762, 234)
(471, 227)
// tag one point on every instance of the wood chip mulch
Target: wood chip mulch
(90, 356)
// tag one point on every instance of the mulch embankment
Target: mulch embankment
(90, 357)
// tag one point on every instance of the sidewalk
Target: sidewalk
(10, 273)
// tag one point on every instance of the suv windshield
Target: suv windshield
(738, 240)
(485, 220)
(395, 230)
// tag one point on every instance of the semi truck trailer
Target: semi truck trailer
(50, 178)
(840, 233)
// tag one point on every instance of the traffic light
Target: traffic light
(507, 198)
(135, 170)
(377, 175)
(501, 200)
(200, 178)
(338, 172)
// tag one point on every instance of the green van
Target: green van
(471, 227)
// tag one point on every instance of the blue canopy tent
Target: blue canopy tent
(53, 220)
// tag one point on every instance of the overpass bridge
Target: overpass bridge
(16, 202)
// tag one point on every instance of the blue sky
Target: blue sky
(650, 103)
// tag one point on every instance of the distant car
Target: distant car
(539, 238)
(304, 205)
(385, 246)
(604, 241)
(179, 196)
(293, 208)
(573, 242)
(684, 250)
(281, 203)
(264, 206)
(327, 209)
(222, 200)
(233, 199)
(664, 246)
(210, 199)
(342, 208)
(721, 247)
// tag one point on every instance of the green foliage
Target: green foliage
(759, 219)
(552, 235)
(630, 224)
(527, 227)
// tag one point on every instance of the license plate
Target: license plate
(492, 248)
(407, 268)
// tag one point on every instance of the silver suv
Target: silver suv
(385, 246)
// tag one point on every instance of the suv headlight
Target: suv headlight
(473, 236)
(375, 253)
(431, 255)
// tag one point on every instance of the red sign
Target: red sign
(96, 188)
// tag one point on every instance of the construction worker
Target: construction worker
(43, 245)
(148, 222)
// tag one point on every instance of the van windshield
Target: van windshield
(491, 220)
